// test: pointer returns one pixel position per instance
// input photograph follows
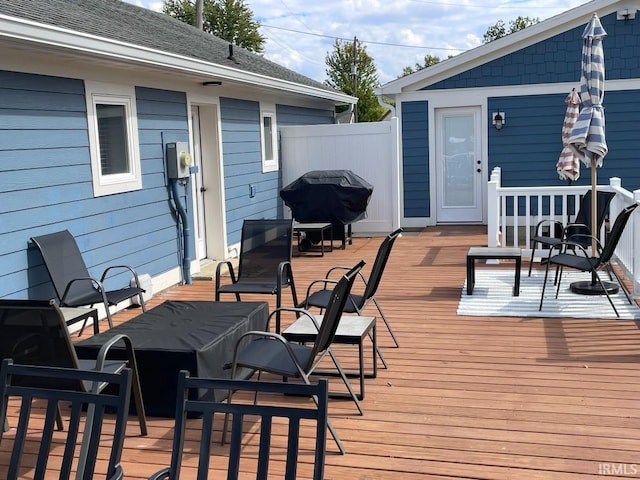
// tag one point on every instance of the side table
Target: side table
(321, 228)
(492, 253)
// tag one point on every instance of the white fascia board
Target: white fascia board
(49, 35)
(498, 48)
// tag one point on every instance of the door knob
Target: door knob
(202, 189)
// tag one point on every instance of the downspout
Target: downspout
(382, 103)
(348, 113)
(186, 228)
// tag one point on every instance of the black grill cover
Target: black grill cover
(336, 196)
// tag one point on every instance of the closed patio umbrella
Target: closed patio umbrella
(588, 134)
(568, 165)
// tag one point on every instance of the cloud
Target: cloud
(396, 33)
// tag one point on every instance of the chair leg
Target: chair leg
(109, 319)
(544, 286)
(353, 395)
(330, 427)
(533, 252)
(386, 322)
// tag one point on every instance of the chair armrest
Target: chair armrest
(106, 347)
(562, 246)
(298, 311)
(126, 267)
(324, 281)
(94, 281)
(542, 223)
(229, 266)
(118, 474)
(161, 474)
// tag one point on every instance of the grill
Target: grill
(339, 197)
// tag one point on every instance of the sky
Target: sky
(396, 33)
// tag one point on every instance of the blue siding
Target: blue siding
(46, 185)
(557, 59)
(242, 162)
(415, 158)
(288, 115)
(529, 145)
(242, 159)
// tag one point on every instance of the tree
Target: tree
(230, 20)
(428, 61)
(499, 30)
(340, 65)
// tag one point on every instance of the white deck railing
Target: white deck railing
(514, 212)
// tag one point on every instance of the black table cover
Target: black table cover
(198, 336)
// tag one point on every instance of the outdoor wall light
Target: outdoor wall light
(499, 120)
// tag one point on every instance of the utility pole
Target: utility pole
(354, 76)
(198, 19)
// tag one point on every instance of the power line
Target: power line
(370, 42)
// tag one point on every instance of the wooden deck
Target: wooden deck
(463, 397)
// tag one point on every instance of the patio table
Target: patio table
(198, 336)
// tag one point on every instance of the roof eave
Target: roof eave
(49, 35)
(497, 48)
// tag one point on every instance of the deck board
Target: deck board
(463, 397)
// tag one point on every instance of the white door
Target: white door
(459, 194)
(200, 229)
(207, 188)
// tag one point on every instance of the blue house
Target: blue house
(125, 126)
(450, 139)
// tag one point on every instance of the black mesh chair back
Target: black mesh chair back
(33, 332)
(264, 264)
(268, 416)
(378, 266)
(333, 312)
(63, 261)
(71, 280)
(615, 234)
(265, 243)
(580, 226)
(32, 427)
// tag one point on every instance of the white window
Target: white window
(269, 138)
(113, 138)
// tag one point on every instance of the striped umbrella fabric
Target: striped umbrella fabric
(588, 134)
(568, 165)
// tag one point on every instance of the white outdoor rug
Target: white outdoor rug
(492, 297)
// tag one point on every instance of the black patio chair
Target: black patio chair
(264, 263)
(53, 385)
(33, 332)
(581, 260)
(357, 302)
(206, 410)
(70, 276)
(271, 352)
(574, 231)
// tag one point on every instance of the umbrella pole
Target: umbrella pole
(593, 287)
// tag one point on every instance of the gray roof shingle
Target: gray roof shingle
(117, 20)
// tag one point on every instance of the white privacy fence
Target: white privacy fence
(370, 150)
(513, 213)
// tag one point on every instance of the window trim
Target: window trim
(103, 93)
(269, 165)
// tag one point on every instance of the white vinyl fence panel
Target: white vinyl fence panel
(370, 150)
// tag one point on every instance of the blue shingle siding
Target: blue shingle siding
(415, 159)
(43, 124)
(557, 59)
(288, 115)
(242, 161)
(528, 146)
